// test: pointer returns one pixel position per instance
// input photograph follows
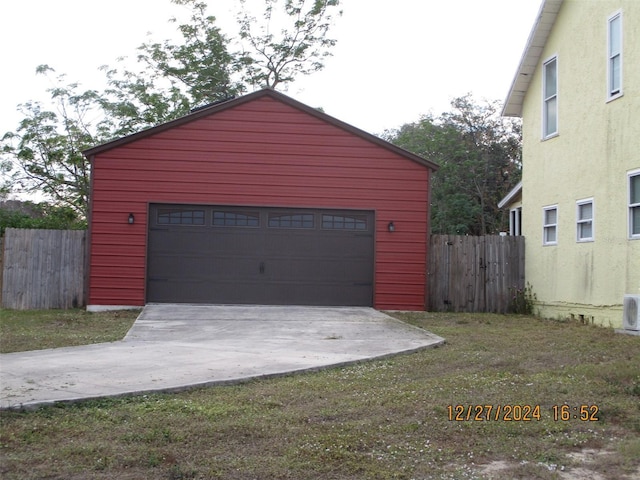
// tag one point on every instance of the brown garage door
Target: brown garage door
(266, 256)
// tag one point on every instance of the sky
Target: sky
(394, 61)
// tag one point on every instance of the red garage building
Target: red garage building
(258, 200)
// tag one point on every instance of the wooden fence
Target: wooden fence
(474, 274)
(43, 269)
(46, 269)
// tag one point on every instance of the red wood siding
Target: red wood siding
(259, 153)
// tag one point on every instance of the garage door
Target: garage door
(266, 256)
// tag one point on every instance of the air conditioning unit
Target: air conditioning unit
(631, 312)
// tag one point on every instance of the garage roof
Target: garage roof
(531, 57)
(266, 92)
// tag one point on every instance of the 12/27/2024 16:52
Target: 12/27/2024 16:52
(521, 413)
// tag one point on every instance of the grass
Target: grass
(22, 330)
(386, 419)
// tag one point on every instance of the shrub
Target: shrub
(522, 300)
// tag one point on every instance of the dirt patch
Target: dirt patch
(581, 474)
(495, 469)
(587, 458)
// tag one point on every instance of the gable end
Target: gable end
(266, 92)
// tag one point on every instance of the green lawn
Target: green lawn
(376, 420)
(35, 330)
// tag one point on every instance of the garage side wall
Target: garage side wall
(260, 153)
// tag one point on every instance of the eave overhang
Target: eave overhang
(531, 57)
(512, 196)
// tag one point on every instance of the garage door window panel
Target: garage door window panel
(297, 220)
(180, 217)
(236, 219)
(343, 222)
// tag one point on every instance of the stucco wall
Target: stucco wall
(598, 143)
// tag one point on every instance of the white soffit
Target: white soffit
(531, 57)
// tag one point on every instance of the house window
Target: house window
(550, 225)
(584, 220)
(634, 204)
(550, 97)
(515, 221)
(614, 53)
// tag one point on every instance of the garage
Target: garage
(258, 199)
(267, 256)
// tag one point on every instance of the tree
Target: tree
(300, 47)
(174, 78)
(201, 64)
(479, 154)
(201, 69)
(45, 153)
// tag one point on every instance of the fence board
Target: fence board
(474, 274)
(43, 269)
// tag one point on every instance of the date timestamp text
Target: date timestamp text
(521, 413)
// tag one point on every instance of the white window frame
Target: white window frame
(613, 93)
(515, 221)
(547, 99)
(546, 227)
(580, 222)
(632, 206)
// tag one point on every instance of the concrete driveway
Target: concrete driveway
(175, 347)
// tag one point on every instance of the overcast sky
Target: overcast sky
(394, 61)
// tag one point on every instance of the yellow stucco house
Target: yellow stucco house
(577, 90)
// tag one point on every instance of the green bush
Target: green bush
(40, 215)
(522, 300)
